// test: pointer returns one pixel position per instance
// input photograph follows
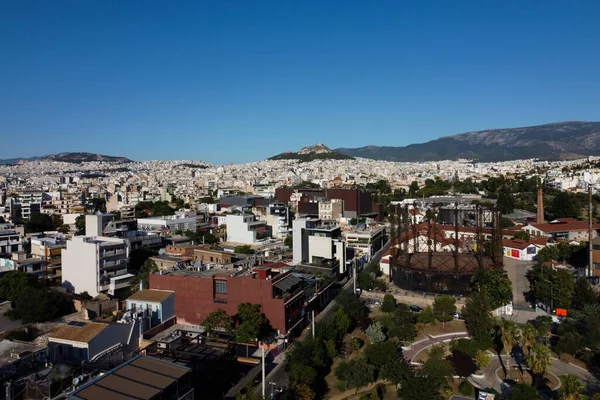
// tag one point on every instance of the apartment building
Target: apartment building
(316, 242)
(279, 217)
(368, 240)
(331, 210)
(243, 228)
(24, 204)
(20, 262)
(178, 222)
(49, 250)
(10, 242)
(95, 264)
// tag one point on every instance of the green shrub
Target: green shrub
(465, 388)
(357, 343)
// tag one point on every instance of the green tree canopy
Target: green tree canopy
(352, 305)
(14, 283)
(522, 391)
(552, 286)
(565, 205)
(245, 249)
(217, 321)
(375, 333)
(583, 294)
(444, 308)
(361, 373)
(506, 201)
(522, 235)
(478, 319)
(381, 353)
(496, 284)
(342, 322)
(80, 223)
(289, 241)
(36, 304)
(40, 223)
(389, 303)
(149, 267)
(252, 323)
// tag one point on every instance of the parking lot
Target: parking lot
(517, 271)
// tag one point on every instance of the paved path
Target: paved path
(517, 273)
(421, 345)
(557, 368)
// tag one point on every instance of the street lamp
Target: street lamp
(273, 384)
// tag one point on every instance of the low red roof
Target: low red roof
(570, 225)
(516, 243)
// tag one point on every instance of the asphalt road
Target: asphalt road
(517, 273)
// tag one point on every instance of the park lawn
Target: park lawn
(438, 329)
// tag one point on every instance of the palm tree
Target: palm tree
(539, 360)
(510, 337)
(528, 335)
(571, 388)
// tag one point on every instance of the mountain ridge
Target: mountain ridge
(309, 153)
(72, 157)
(553, 141)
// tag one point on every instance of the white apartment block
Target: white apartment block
(279, 218)
(244, 229)
(96, 223)
(95, 264)
(331, 210)
(315, 242)
(177, 222)
(369, 241)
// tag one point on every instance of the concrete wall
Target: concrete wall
(79, 267)
(195, 297)
(237, 229)
(319, 247)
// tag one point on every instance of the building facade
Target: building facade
(95, 264)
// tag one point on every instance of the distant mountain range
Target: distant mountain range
(309, 153)
(556, 141)
(77, 158)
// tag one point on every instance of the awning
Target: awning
(287, 283)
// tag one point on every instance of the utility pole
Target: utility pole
(354, 275)
(313, 323)
(590, 231)
(263, 370)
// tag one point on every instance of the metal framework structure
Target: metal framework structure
(439, 247)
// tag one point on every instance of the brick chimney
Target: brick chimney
(540, 207)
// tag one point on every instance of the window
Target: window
(220, 301)
(221, 287)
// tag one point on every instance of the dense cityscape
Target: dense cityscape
(299, 200)
(298, 279)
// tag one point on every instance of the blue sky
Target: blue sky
(236, 81)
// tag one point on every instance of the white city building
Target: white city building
(367, 240)
(315, 242)
(178, 222)
(243, 228)
(95, 264)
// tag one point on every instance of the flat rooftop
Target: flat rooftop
(142, 377)
(200, 274)
(8, 351)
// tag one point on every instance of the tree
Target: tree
(245, 249)
(552, 286)
(437, 368)
(14, 283)
(252, 324)
(342, 372)
(539, 360)
(397, 371)
(352, 305)
(521, 235)
(413, 189)
(509, 336)
(477, 315)
(302, 374)
(444, 308)
(361, 373)
(563, 205)
(419, 387)
(522, 391)
(289, 241)
(217, 321)
(149, 267)
(465, 388)
(496, 284)
(40, 223)
(80, 223)
(583, 294)
(463, 345)
(302, 392)
(506, 223)
(64, 229)
(342, 322)
(482, 358)
(138, 257)
(36, 304)
(404, 324)
(528, 335)
(426, 316)
(365, 280)
(375, 333)
(381, 353)
(571, 388)
(506, 201)
(463, 364)
(389, 303)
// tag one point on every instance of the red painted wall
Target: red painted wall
(194, 297)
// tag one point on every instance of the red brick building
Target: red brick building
(357, 202)
(282, 296)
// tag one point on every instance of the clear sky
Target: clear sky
(236, 81)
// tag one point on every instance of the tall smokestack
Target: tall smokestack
(540, 206)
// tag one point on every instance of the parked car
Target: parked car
(415, 308)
